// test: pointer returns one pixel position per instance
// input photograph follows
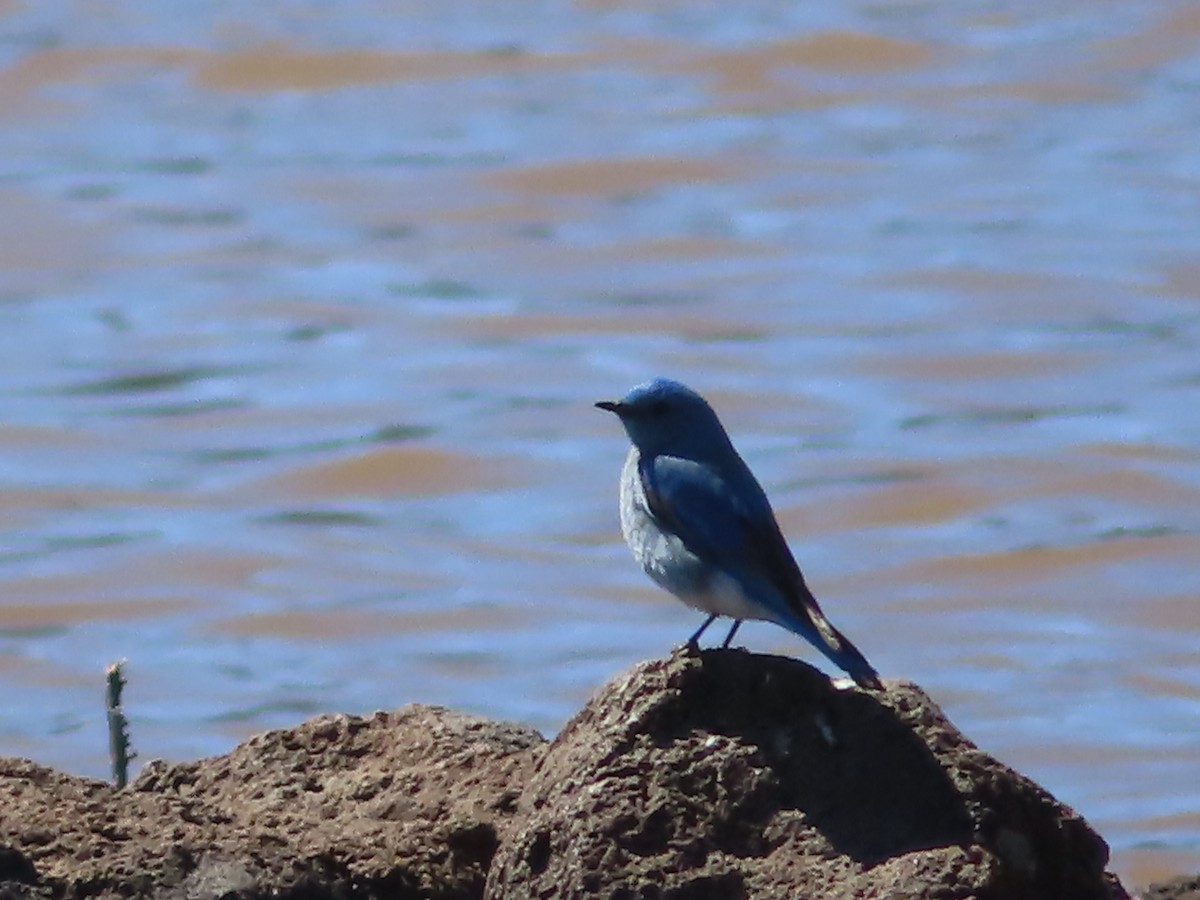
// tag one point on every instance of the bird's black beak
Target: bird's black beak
(612, 406)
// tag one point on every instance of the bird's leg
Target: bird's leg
(737, 623)
(694, 640)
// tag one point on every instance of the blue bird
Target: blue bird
(701, 526)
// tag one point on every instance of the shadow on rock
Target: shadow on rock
(857, 774)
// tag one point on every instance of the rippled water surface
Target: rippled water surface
(304, 307)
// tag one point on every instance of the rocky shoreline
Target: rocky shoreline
(719, 774)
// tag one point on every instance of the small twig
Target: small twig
(118, 726)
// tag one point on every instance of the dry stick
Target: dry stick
(118, 726)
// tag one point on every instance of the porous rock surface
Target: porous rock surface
(719, 774)
(396, 805)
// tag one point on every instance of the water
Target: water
(304, 309)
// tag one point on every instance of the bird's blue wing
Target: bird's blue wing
(730, 526)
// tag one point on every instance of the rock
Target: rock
(396, 805)
(724, 775)
(718, 774)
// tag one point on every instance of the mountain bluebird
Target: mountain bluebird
(700, 525)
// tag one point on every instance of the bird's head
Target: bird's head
(665, 417)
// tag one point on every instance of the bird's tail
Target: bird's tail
(812, 625)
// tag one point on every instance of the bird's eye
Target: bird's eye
(658, 408)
